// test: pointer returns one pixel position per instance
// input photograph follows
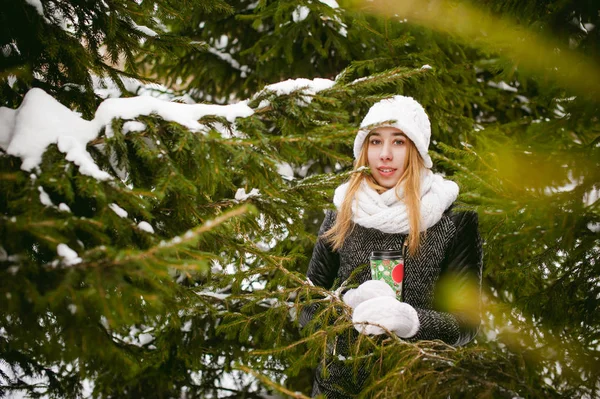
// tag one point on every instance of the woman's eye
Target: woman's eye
(375, 141)
(398, 142)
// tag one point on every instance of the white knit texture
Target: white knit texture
(386, 213)
(397, 317)
(367, 290)
(403, 113)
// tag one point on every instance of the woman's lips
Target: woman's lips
(386, 171)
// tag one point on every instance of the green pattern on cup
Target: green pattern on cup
(390, 271)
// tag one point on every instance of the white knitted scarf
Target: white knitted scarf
(387, 213)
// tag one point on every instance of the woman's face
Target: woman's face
(387, 151)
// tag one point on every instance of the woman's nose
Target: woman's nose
(386, 153)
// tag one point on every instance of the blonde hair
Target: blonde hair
(411, 179)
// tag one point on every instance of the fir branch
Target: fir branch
(189, 238)
(270, 383)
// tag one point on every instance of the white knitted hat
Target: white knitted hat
(403, 113)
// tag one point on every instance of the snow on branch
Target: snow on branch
(69, 256)
(37, 4)
(41, 121)
(143, 29)
(241, 195)
(307, 86)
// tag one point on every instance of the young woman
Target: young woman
(398, 204)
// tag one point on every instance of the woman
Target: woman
(400, 205)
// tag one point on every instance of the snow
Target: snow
(285, 170)
(184, 114)
(309, 87)
(330, 3)
(305, 168)
(263, 246)
(144, 29)
(221, 42)
(187, 326)
(502, 86)
(44, 197)
(145, 226)
(290, 85)
(69, 256)
(591, 196)
(426, 66)
(570, 186)
(336, 18)
(567, 99)
(300, 13)
(343, 31)
(357, 80)
(41, 121)
(56, 15)
(559, 111)
(594, 227)
(12, 79)
(37, 4)
(145, 338)
(133, 126)
(241, 195)
(104, 322)
(62, 18)
(213, 295)
(118, 210)
(75, 151)
(72, 308)
(107, 88)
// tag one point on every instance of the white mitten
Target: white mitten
(367, 290)
(398, 317)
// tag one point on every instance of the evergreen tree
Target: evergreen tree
(168, 259)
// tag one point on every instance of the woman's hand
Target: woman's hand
(367, 290)
(395, 316)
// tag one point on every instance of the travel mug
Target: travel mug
(388, 266)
